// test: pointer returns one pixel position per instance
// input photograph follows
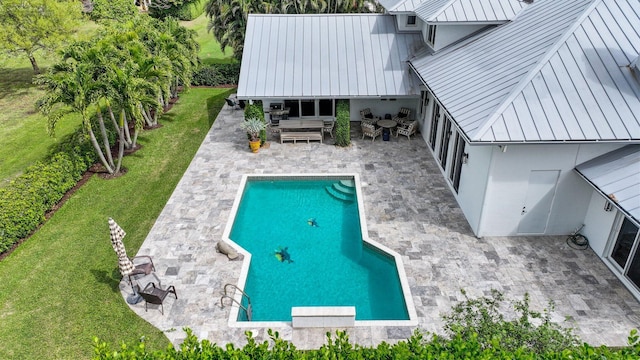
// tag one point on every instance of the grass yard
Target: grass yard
(23, 130)
(210, 51)
(60, 287)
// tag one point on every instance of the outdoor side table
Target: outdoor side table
(386, 126)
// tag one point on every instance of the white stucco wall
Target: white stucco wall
(598, 223)
(381, 107)
(473, 182)
(447, 34)
(401, 20)
(508, 184)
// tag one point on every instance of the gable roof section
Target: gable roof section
(617, 174)
(484, 11)
(558, 72)
(345, 55)
(402, 6)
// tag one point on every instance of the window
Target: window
(444, 142)
(307, 108)
(411, 20)
(326, 107)
(434, 126)
(431, 34)
(310, 108)
(294, 108)
(458, 158)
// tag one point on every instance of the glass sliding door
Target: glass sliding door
(626, 251)
(624, 243)
(445, 136)
(456, 164)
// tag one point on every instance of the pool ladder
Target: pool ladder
(247, 309)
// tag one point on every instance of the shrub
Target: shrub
(343, 123)
(216, 74)
(26, 200)
(183, 10)
(255, 111)
(118, 10)
(418, 346)
(482, 320)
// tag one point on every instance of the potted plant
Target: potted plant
(253, 126)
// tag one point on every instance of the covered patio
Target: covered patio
(408, 207)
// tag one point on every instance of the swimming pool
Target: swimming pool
(304, 237)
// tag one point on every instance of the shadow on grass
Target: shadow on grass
(15, 82)
(215, 104)
(113, 279)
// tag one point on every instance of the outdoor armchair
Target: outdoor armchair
(402, 117)
(407, 129)
(370, 130)
(328, 127)
(233, 104)
(367, 117)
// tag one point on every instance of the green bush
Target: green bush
(26, 200)
(118, 10)
(343, 123)
(216, 74)
(255, 111)
(482, 320)
(416, 347)
(183, 10)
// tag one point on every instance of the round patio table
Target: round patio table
(386, 126)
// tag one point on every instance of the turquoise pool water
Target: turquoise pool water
(330, 264)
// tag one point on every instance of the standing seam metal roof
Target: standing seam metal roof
(401, 6)
(493, 11)
(347, 55)
(559, 72)
(617, 175)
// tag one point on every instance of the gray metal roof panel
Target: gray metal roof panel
(570, 66)
(401, 6)
(346, 55)
(445, 11)
(617, 173)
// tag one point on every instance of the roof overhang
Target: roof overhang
(616, 176)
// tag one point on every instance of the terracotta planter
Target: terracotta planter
(255, 146)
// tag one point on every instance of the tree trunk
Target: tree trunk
(127, 134)
(145, 115)
(98, 150)
(135, 136)
(34, 64)
(105, 138)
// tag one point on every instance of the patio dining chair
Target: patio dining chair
(155, 295)
(328, 127)
(233, 104)
(143, 265)
(370, 130)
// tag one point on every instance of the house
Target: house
(531, 108)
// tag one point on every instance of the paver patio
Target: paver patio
(408, 207)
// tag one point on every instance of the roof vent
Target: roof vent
(635, 65)
(527, 1)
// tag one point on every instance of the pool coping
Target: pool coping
(244, 272)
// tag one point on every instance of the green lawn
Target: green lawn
(60, 287)
(23, 130)
(210, 51)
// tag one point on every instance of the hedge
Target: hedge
(418, 346)
(26, 200)
(216, 74)
(343, 123)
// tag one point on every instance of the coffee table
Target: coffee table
(386, 126)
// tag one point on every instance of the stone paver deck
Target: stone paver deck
(408, 207)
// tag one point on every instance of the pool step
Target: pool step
(343, 190)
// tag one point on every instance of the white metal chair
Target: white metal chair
(367, 117)
(370, 130)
